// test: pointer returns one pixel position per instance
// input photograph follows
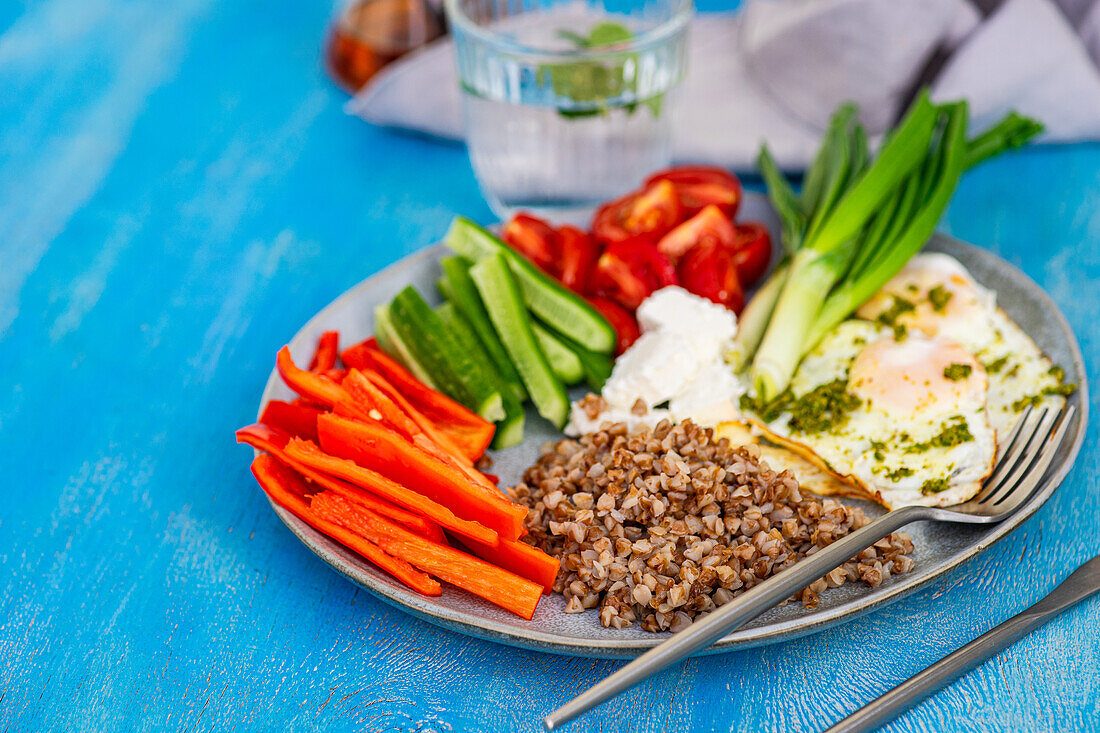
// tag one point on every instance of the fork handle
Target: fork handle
(738, 611)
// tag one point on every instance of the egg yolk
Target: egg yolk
(917, 375)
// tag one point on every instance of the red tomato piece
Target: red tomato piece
(752, 251)
(627, 272)
(709, 225)
(708, 270)
(640, 216)
(534, 239)
(699, 186)
(622, 320)
(577, 257)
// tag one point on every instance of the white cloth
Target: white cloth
(776, 71)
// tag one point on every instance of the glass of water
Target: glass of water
(567, 103)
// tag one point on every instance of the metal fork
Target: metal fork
(1022, 462)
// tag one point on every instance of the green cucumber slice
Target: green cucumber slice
(391, 342)
(458, 288)
(510, 429)
(501, 295)
(565, 363)
(452, 367)
(548, 299)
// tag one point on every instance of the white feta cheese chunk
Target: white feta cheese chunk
(675, 309)
(654, 369)
(711, 397)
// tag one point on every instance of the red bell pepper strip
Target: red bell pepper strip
(375, 447)
(274, 441)
(520, 558)
(578, 258)
(312, 386)
(324, 356)
(496, 585)
(286, 489)
(307, 453)
(471, 432)
(297, 420)
(356, 357)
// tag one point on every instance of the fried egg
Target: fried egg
(903, 420)
(935, 295)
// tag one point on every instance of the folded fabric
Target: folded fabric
(777, 70)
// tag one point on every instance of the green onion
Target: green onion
(856, 225)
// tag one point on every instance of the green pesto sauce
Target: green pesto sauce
(939, 298)
(823, 408)
(899, 473)
(952, 433)
(1061, 388)
(955, 372)
(995, 366)
(889, 317)
(934, 486)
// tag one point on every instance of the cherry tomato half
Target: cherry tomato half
(752, 251)
(622, 320)
(699, 186)
(709, 225)
(643, 215)
(534, 239)
(577, 258)
(627, 272)
(708, 270)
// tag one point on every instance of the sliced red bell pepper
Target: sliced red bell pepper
(627, 272)
(494, 584)
(311, 386)
(274, 441)
(297, 420)
(578, 254)
(469, 431)
(622, 320)
(356, 357)
(308, 454)
(324, 356)
(644, 215)
(286, 489)
(699, 186)
(709, 225)
(534, 239)
(520, 558)
(373, 446)
(425, 425)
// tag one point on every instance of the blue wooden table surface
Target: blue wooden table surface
(179, 191)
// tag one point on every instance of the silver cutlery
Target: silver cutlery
(1019, 470)
(1082, 583)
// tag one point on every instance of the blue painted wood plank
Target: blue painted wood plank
(179, 191)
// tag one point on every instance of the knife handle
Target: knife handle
(1082, 583)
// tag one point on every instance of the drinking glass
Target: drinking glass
(567, 102)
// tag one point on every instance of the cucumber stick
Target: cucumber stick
(458, 288)
(451, 366)
(510, 429)
(501, 295)
(566, 364)
(391, 342)
(547, 299)
(596, 367)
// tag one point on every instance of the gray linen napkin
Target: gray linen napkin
(777, 70)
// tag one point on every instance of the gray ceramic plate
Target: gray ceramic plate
(938, 547)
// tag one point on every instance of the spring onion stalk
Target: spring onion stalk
(892, 255)
(830, 247)
(754, 320)
(792, 218)
(847, 235)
